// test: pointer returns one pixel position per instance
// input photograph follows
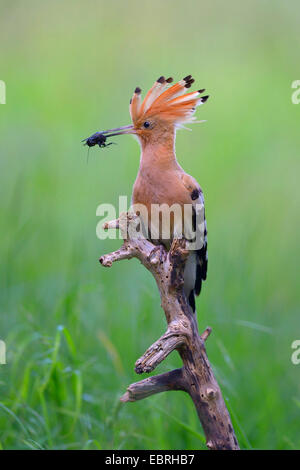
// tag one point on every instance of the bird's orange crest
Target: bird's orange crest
(171, 104)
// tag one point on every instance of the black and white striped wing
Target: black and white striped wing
(200, 227)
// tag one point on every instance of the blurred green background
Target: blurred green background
(73, 329)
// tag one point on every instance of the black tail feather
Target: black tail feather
(192, 300)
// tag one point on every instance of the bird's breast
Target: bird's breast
(160, 198)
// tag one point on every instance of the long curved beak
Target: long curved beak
(119, 131)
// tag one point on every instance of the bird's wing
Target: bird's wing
(199, 228)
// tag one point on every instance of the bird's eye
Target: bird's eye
(146, 124)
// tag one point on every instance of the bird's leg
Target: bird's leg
(158, 255)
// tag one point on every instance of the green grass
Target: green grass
(73, 329)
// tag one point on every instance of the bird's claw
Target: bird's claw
(157, 255)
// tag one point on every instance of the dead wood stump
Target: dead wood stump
(195, 376)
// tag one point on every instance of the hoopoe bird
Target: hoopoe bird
(161, 182)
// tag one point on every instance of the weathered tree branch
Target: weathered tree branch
(196, 376)
(159, 351)
(173, 380)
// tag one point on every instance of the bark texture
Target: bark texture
(196, 376)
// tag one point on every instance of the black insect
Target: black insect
(97, 139)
